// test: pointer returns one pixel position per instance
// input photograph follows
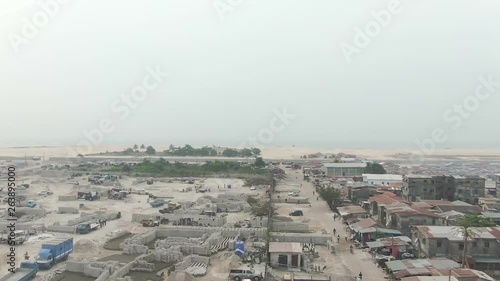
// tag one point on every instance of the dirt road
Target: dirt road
(344, 265)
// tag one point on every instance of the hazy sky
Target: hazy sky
(227, 77)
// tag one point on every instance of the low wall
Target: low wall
(40, 212)
(68, 198)
(62, 228)
(291, 200)
(295, 227)
(23, 226)
(319, 239)
(67, 210)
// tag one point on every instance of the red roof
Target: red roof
(385, 198)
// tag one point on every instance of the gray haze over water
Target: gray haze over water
(227, 77)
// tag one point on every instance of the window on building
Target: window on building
(460, 246)
(486, 244)
(474, 244)
(439, 244)
(424, 240)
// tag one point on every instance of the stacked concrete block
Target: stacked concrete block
(61, 228)
(165, 255)
(31, 211)
(259, 221)
(67, 210)
(68, 198)
(134, 249)
(94, 269)
(195, 265)
(75, 266)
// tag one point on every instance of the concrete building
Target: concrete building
(497, 180)
(447, 241)
(286, 254)
(423, 187)
(343, 169)
(382, 179)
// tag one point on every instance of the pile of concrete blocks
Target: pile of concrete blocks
(67, 210)
(194, 265)
(134, 249)
(185, 245)
(168, 255)
(143, 266)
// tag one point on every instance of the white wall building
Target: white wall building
(382, 179)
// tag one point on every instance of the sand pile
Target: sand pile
(85, 246)
(180, 276)
(226, 263)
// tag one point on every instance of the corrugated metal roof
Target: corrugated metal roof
(284, 247)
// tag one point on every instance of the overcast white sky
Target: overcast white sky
(227, 77)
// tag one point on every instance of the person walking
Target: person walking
(345, 236)
(334, 231)
(26, 256)
(338, 238)
(360, 276)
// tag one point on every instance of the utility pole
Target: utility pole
(449, 275)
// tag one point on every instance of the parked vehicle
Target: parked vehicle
(244, 273)
(54, 251)
(85, 228)
(294, 194)
(89, 196)
(45, 192)
(31, 203)
(165, 211)
(296, 213)
(26, 271)
(157, 202)
(149, 181)
(150, 223)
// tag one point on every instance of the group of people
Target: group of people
(102, 222)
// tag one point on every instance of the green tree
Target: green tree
(136, 146)
(128, 151)
(332, 197)
(246, 152)
(127, 169)
(466, 225)
(256, 151)
(143, 146)
(230, 152)
(150, 150)
(374, 168)
(259, 162)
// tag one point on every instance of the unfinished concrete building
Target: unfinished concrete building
(423, 187)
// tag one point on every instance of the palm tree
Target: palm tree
(136, 146)
(466, 226)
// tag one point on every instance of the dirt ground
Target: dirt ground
(91, 246)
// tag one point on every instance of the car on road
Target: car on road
(294, 193)
(253, 188)
(296, 213)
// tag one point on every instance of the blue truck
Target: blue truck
(26, 271)
(54, 251)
